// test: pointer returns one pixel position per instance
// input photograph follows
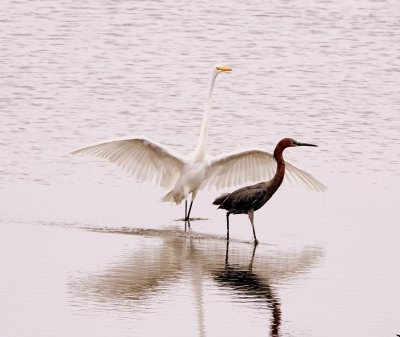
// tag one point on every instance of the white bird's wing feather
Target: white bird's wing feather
(293, 173)
(144, 159)
(252, 166)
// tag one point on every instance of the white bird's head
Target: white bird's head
(217, 69)
(221, 69)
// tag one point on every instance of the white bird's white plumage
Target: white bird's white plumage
(251, 166)
(149, 161)
(142, 158)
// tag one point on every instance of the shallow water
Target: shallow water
(84, 250)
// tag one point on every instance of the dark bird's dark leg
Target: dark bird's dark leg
(227, 225)
(252, 258)
(227, 253)
(251, 217)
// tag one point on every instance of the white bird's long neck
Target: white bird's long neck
(202, 143)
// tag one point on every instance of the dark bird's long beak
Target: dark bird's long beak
(304, 144)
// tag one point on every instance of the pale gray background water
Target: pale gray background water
(75, 73)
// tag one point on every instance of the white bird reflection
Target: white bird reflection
(233, 267)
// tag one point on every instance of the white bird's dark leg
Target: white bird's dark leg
(187, 223)
(190, 209)
(251, 217)
(191, 204)
(227, 225)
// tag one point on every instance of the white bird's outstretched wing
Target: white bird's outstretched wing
(144, 159)
(293, 173)
(252, 166)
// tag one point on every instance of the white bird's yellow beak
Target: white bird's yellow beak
(223, 68)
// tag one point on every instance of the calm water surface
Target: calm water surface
(85, 251)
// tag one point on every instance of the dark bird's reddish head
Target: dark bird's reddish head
(287, 142)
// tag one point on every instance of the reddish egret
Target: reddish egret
(248, 199)
(181, 175)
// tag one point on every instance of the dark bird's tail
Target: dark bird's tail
(220, 199)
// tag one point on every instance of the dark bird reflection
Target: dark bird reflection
(244, 281)
(170, 257)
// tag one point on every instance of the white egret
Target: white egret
(181, 175)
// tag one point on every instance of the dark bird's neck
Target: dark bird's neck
(280, 166)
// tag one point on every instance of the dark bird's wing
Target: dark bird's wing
(220, 199)
(243, 199)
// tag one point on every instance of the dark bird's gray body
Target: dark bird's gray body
(248, 199)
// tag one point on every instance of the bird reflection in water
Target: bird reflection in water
(135, 282)
(245, 282)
